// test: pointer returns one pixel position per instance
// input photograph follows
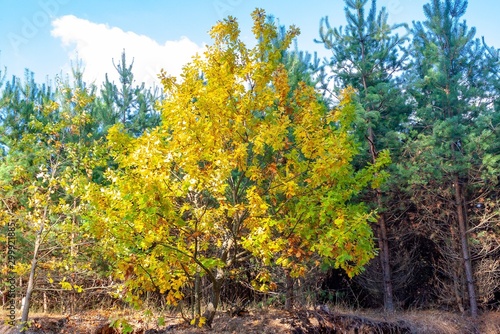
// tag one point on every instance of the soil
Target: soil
(320, 320)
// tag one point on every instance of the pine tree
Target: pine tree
(368, 56)
(128, 103)
(450, 91)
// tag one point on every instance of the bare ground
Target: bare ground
(266, 321)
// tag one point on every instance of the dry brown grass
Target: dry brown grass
(439, 322)
(490, 323)
(267, 321)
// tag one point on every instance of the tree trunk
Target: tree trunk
(456, 270)
(469, 274)
(197, 297)
(31, 281)
(383, 241)
(289, 298)
(384, 262)
(211, 309)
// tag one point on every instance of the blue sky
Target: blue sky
(45, 35)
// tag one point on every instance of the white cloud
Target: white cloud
(97, 44)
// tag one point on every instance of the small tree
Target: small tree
(36, 189)
(243, 167)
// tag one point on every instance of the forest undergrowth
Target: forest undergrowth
(258, 320)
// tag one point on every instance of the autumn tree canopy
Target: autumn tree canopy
(242, 167)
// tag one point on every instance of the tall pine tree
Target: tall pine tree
(368, 55)
(450, 90)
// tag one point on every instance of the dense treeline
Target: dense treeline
(367, 179)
